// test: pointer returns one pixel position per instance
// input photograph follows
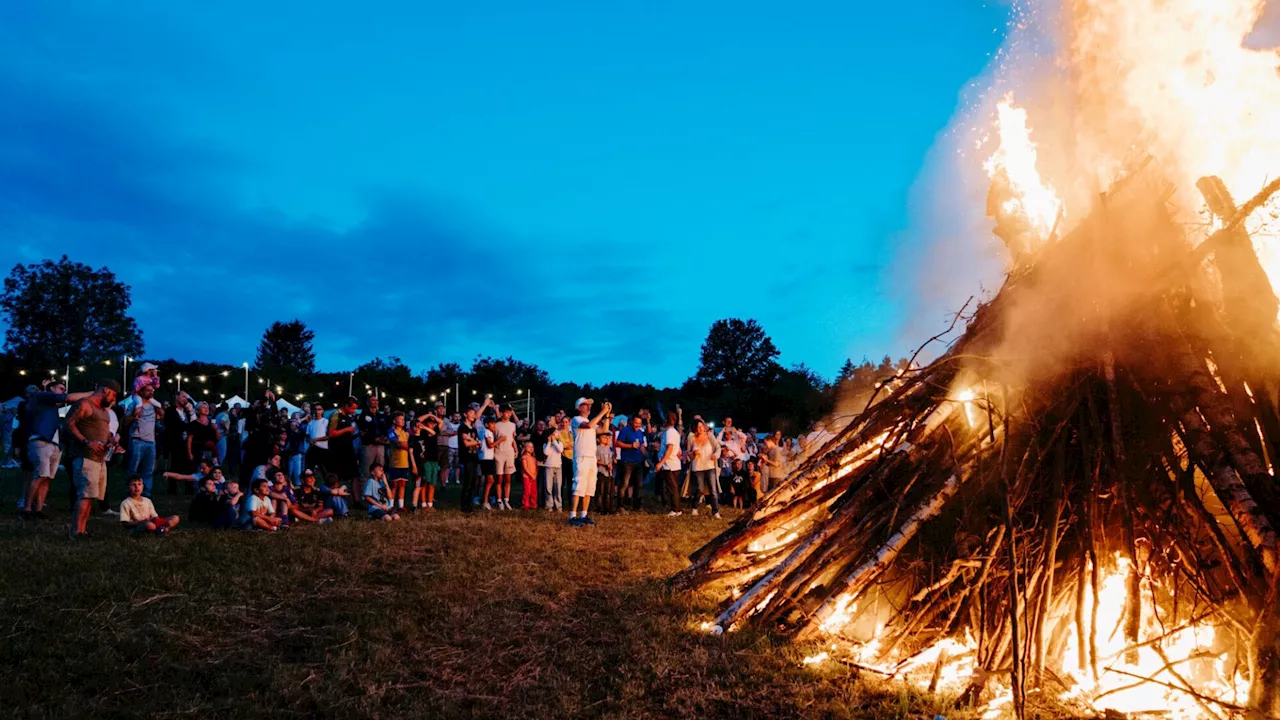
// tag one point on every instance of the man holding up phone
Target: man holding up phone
(584, 459)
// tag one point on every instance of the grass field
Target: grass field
(440, 615)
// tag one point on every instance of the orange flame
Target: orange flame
(1014, 162)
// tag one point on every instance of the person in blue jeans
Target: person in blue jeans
(141, 411)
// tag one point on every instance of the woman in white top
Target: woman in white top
(703, 453)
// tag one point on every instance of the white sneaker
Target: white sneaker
(506, 505)
(110, 512)
(717, 516)
(487, 506)
(693, 512)
(674, 513)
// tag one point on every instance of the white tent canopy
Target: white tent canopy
(283, 404)
(236, 401)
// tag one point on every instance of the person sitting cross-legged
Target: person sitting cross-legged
(259, 509)
(309, 501)
(139, 514)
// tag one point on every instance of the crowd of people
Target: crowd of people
(260, 467)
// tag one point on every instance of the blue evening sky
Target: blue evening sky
(582, 185)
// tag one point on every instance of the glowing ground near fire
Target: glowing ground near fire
(1076, 501)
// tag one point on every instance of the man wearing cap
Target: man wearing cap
(89, 426)
(141, 411)
(584, 459)
(44, 444)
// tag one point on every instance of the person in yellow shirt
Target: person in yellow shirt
(566, 457)
(401, 465)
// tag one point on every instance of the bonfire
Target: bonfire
(1077, 499)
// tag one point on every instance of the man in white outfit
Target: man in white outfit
(584, 459)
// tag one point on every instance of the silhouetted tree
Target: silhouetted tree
(66, 313)
(286, 347)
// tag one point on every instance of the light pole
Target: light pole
(246, 382)
(351, 384)
(124, 374)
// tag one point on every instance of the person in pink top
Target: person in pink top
(149, 374)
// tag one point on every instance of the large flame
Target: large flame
(1014, 163)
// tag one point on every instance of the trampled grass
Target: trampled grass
(441, 615)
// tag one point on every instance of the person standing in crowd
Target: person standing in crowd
(539, 439)
(373, 435)
(584, 459)
(235, 425)
(422, 444)
(175, 427)
(553, 471)
(402, 465)
(566, 457)
(528, 477)
(446, 433)
(703, 449)
(202, 437)
(488, 465)
(504, 453)
(317, 447)
(631, 441)
(770, 464)
(606, 491)
(90, 428)
(733, 441)
(222, 421)
(141, 411)
(342, 444)
(468, 458)
(44, 442)
(668, 464)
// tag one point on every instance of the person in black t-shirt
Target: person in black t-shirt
(308, 500)
(342, 449)
(374, 426)
(468, 457)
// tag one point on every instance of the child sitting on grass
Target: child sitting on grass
(309, 504)
(259, 509)
(139, 514)
(378, 496)
(336, 495)
(528, 478)
(230, 504)
(282, 495)
(206, 506)
(196, 478)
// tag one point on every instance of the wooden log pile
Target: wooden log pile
(1111, 410)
